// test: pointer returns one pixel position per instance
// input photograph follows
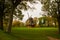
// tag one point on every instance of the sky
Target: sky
(32, 12)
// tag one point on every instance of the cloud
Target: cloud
(34, 12)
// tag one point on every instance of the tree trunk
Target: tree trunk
(59, 25)
(55, 24)
(48, 23)
(1, 21)
(1, 13)
(58, 17)
(10, 21)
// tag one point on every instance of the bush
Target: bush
(17, 23)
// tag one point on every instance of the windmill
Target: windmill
(30, 21)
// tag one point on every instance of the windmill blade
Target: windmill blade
(28, 15)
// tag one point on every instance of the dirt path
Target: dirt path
(51, 38)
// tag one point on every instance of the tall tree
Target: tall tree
(1, 13)
(46, 7)
(14, 4)
(58, 18)
(54, 11)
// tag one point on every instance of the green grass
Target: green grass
(30, 34)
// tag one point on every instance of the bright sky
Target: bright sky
(32, 12)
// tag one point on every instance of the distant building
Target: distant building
(30, 22)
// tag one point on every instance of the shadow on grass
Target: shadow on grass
(15, 37)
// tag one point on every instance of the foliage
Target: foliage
(50, 7)
(17, 23)
(53, 9)
(48, 21)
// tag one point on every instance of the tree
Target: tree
(42, 21)
(1, 13)
(11, 6)
(14, 4)
(58, 18)
(54, 11)
(46, 7)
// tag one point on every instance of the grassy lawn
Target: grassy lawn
(30, 34)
